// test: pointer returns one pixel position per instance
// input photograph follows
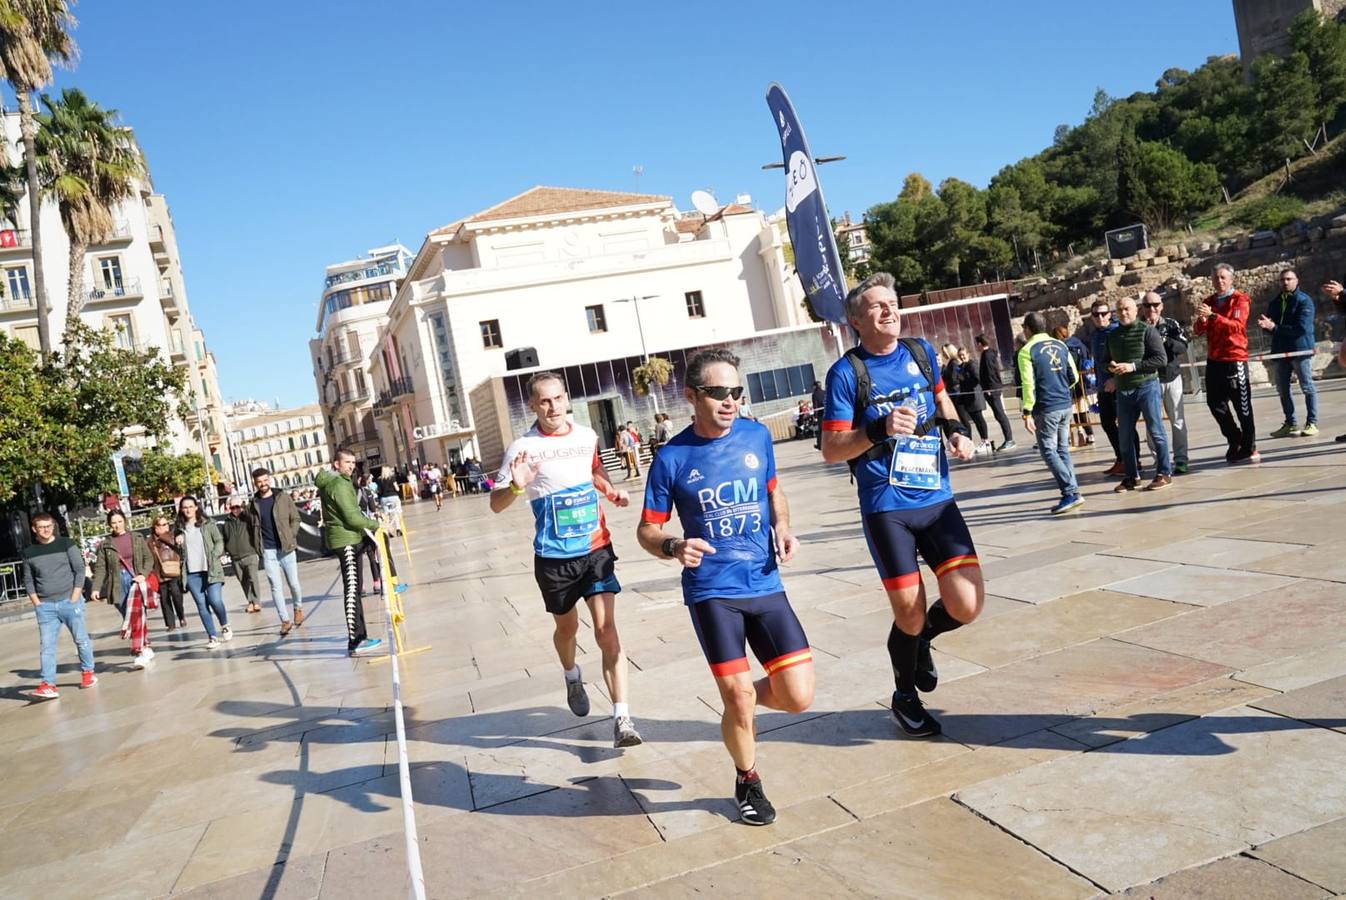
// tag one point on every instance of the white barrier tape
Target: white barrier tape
(1253, 359)
(403, 765)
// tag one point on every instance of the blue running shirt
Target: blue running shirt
(720, 487)
(892, 379)
(567, 508)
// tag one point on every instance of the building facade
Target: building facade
(351, 313)
(290, 443)
(565, 279)
(134, 287)
(1263, 25)
(853, 240)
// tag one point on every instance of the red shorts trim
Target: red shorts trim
(732, 667)
(788, 660)
(956, 562)
(902, 581)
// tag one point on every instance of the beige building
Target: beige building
(134, 287)
(291, 443)
(352, 311)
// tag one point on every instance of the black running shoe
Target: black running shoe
(912, 717)
(927, 676)
(753, 806)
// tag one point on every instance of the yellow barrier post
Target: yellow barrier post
(392, 601)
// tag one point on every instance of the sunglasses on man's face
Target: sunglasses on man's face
(1152, 305)
(1100, 313)
(719, 391)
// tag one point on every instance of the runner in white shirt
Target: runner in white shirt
(556, 465)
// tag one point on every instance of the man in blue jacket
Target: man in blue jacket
(1289, 318)
(1047, 368)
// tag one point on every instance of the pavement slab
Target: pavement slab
(1202, 585)
(1314, 855)
(1298, 671)
(1206, 788)
(1233, 878)
(1322, 704)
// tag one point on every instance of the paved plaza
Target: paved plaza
(1153, 703)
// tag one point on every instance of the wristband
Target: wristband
(951, 427)
(877, 430)
(515, 489)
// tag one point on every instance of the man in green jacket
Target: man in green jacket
(238, 543)
(343, 530)
(1133, 357)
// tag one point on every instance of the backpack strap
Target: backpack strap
(863, 390)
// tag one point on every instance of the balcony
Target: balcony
(120, 234)
(342, 357)
(129, 287)
(376, 270)
(400, 387)
(360, 436)
(11, 302)
(358, 395)
(15, 242)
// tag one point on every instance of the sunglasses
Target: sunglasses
(1098, 313)
(719, 391)
(1152, 305)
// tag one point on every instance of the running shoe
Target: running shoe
(1007, 445)
(88, 680)
(576, 697)
(1126, 484)
(1181, 468)
(1252, 458)
(1160, 482)
(213, 644)
(1069, 502)
(46, 691)
(227, 634)
(367, 646)
(1289, 429)
(400, 588)
(1310, 430)
(140, 661)
(911, 715)
(927, 676)
(753, 806)
(624, 733)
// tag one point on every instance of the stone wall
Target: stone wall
(1181, 272)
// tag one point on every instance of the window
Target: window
(778, 384)
(28, 335)
(18, 284)
(490, 334)
(123, 331)
(696, 308)
(110, 268)
(308, 458)
(597, 321)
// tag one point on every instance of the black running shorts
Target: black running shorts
(564, 581)
(937, 532)
(768, 624)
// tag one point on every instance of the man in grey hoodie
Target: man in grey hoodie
(53, 570)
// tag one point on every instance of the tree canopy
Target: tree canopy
(1157, 157)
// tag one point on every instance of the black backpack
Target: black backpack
(863, 385)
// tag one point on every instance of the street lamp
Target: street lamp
(640, 327)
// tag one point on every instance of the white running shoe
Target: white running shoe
(227, 634)
(140, 660)
(213, 644)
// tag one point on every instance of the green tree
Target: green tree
(1323, 43)
(164, 476)
(1288, 101)
(33, 35)
(89, 164)
(1169, 186)
(65, 418)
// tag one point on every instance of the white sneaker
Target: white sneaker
(140, 660)
(213, 644)
(227, 634)
(148, 653)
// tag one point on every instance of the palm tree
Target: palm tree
(33, 35)
(89, 163)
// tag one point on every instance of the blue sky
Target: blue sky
(289, 135)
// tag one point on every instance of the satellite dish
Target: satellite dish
(705, 203)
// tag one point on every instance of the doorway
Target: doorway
(604, 417)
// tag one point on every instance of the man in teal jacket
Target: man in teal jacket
(343, 530)
(1048, 371)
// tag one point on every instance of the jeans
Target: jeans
(1177, 420)
(1107, 413)
(1054, 444)
(170, 601)
(51, 615)
(275, 563)
(1302, 367)
(1131, 405)
(127, 580)
(207, 595)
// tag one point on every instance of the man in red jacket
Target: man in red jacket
(1223, 318)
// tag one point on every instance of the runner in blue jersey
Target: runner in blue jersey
(720, 477)
(556, 466)
(891, 437)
